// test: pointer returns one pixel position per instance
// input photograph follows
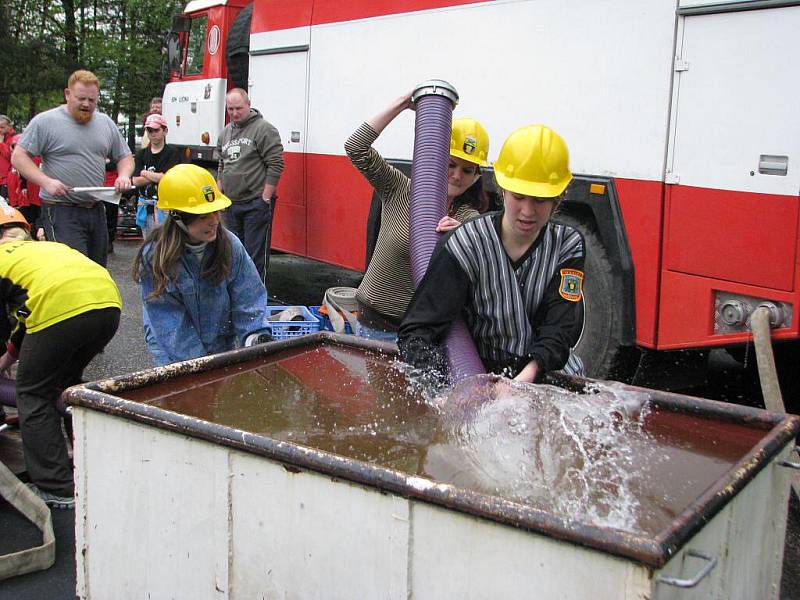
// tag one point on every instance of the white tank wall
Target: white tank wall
(163, 515)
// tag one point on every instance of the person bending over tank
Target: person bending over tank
(386, 289)
(201, 293)
(62, 310)
(515, 276)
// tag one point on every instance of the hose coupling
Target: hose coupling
(435, 87)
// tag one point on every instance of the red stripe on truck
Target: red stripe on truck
(273, 15)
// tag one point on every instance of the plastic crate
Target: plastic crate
(286, 329)
(325, 322)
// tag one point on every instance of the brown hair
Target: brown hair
(168, 244)
(83, 76)
(474, 196)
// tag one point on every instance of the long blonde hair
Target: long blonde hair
(168, 245)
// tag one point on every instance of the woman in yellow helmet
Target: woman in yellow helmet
(515, 276)
(61, 309)
(386, 289)
(201, 293)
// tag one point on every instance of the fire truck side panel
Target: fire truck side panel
(609, 101)
(192, 107)
(731, 223)
(688, 310)
(278, 77)
(641, 202)
(337, 225)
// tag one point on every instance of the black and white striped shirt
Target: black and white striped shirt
(513, 309)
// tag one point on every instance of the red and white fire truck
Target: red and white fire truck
(681, 119)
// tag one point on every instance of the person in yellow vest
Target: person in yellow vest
(61, 309)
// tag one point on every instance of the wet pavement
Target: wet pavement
(297, 281)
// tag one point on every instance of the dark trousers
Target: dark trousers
(50, 361)
(112, 210)
(251, 222)
(81, 228)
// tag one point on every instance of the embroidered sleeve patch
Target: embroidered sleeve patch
(571, 287)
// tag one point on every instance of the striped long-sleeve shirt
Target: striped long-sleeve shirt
(387, 287)
(516, 311)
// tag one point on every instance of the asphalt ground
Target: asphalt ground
(293, 280)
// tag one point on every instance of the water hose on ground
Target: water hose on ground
(36, 511)
(767, 373)
(434, 101)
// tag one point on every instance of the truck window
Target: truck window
(197, 46)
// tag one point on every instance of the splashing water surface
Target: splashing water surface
(604, 457)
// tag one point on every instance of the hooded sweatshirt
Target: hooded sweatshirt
(251, 155)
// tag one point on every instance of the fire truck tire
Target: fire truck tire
(237, 48)
(604, 312)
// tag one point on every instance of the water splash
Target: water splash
(574, 455)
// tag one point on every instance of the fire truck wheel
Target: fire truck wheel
(604, 312)
(237, 49)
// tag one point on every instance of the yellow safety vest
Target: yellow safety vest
(44, 283)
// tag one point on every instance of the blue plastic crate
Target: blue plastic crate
(325, 322)
(286, 329)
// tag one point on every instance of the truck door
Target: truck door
(278, 88)
(733, 165)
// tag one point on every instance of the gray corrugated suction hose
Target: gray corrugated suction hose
(434, 101)
(767, 374)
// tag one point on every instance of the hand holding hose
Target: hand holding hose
(446, 224)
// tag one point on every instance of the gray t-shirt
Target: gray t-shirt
(74, 154)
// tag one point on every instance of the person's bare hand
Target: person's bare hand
(40, 234)
(446, 224)
(528, 374)
(54, 187)
(122, 183)
(406, 101)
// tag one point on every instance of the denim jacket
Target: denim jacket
(193, 317)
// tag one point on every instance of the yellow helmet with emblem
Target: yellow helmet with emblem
(534, 161)
(469, 141)
(190, 189)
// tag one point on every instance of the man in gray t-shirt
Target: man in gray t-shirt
(74, 142)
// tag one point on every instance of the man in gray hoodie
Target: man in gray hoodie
(250, 165)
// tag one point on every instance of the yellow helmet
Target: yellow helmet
(469, 140)
(534, 161)
(190, 189)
